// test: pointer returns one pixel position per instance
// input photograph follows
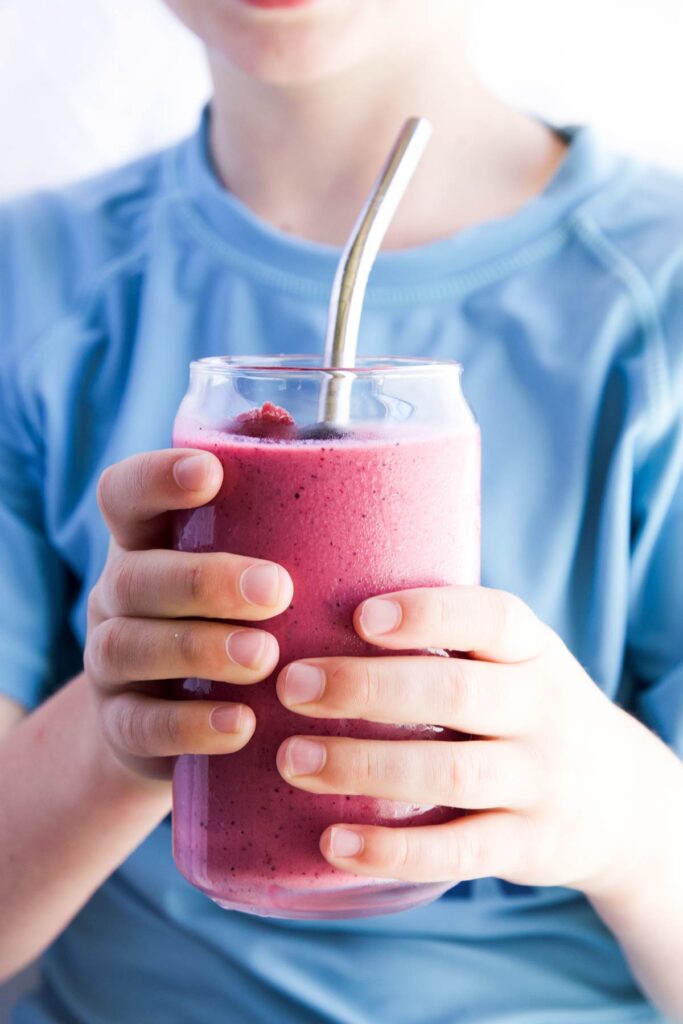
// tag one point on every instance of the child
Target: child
(553, 272)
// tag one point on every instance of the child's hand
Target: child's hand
(147, 617)
(564, 788)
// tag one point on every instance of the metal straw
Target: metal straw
(351, 278)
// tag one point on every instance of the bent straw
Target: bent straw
(360, 252)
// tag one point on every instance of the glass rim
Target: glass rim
(307, 365)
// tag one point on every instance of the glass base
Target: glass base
(356, 901)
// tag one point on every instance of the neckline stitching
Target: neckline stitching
(452, 284)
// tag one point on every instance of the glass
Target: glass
(389, 501)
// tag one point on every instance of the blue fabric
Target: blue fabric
(567, 317)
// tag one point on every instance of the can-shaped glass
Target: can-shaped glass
(385, 499)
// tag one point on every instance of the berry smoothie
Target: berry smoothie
(349, 516)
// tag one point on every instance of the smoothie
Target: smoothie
(349, 516)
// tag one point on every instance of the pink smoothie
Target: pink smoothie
(348, 518)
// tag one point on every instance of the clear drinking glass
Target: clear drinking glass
(389, 501)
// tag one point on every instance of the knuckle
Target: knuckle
(90, 665)
(349, 687)
(141, 474)
(210, 585)
(442, 612)
(465, 853)
(122, 582)
(167, 726)
(106, 650)
(337, 690)
(199, 581)
(134, 727)
(189, 647)
(460, 694)
(94, 608)
(512, 618)
(106, 486)
(145, 728)
(125, 725)
(465, 771)
(109, 719)
(366, 687)
(503, 612)
(363, 767)
(401, 858)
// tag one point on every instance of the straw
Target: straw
(360, 252)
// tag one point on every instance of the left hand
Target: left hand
(562, 786)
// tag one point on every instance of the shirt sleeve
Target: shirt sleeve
(654, 655)
(35, 640)
(38, 278)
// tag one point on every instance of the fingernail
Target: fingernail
(226, 719)
(305, 757)
(247, 647)
(380, 615)
(261, 584)
(345, 843)
(192, 473)
(303, 683)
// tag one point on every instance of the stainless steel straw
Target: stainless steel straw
(351, 278)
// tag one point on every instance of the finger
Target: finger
(135, 494)
(177, 584)
(139, 725)
(473, 774)
(476, 846)
(468, 696)
(490, 624)
(123, 650)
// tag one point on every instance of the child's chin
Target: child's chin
(316, 40)
(288, 61)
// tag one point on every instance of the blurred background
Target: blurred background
(86, 84)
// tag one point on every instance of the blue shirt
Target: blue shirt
(567, 317)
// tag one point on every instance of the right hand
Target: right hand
(152, 617)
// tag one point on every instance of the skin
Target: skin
(564, 788)
(307, 103)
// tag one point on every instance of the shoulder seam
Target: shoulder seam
(92, 284)
(644, 300)
(112, 267)
(89, 292)
(80, 304)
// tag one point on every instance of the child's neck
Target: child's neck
(303, 158)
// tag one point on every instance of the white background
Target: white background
(86, 84)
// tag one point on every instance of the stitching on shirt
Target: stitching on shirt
(138, 250)
(78, 309)
(451, 286)
(645, 303)
(110, 269)
(88, 295)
